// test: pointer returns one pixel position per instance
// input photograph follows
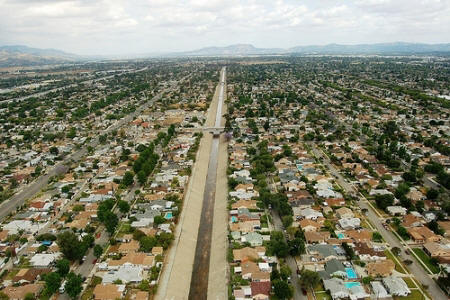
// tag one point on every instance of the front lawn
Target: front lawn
(426, 260)
(319, 288)
(409, 282)
(398, 267)
(415, 295)
(322, 296)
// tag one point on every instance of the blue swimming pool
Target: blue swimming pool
(351, 284)
(168, 216)
(351, 274)
(234, 219)
(340, 236)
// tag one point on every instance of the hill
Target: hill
(381, 48)
(19, 55)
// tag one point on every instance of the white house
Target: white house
(396, 286)
(396, 210)
(44, 260)
(349, 223)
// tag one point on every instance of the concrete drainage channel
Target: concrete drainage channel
(200, 272)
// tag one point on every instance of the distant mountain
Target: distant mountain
(25, 56)
(382, 48)
(232, 50)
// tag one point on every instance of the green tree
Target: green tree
(432, 194)
(403, 232)
(72, 133)
(296, 246)
(376, 237)
(434, 226)
(103, 138)
(277, 245)
(124, 206)
(63, 267)
(285, 272)
(367, 280)
(98, 251)
(88, 241)
(138, 235)
(70, 245)
(110, 220)
(159, 220)
(396, 251)
(164, 239)
(128, 178)
(54, 151)
(73, 285)
(384, 201)
(401, 190)
(142, 177)
(287, 221)
(147, 243)
(282, 289)
(52, 282)
(309, 279)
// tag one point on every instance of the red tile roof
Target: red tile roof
(260, 288)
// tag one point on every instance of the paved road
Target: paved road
(298, 295)
(415, 268)
(87, 268)
(428, 180)
(278, 226)
(36, 186)
(90, 81)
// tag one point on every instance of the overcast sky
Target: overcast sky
(144, 26)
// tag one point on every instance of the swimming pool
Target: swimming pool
(234, 219)
(168, 216)
(351, 284)
(351, 274)
(340, 236)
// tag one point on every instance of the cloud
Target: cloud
(123, 26)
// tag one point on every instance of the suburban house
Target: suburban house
(109, 291)
(317, 237)
(344, 212)
(423, 235)
(338, 289)
(367, 253)
(396, 286)
(439, 251)
(349, 223)
(381, 268)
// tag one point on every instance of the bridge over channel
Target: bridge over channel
(215, 131)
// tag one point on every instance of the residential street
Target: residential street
(37, 185)
(90, 81)
(298, 295)
(415, 268)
